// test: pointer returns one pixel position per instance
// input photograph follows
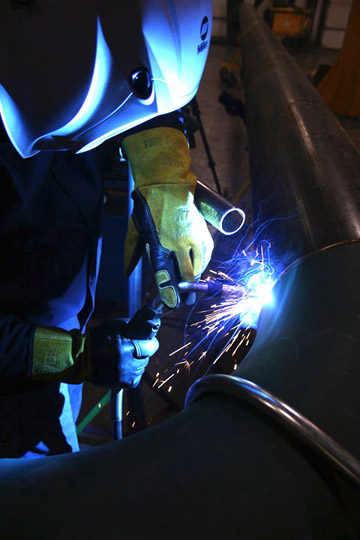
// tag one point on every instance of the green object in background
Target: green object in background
(94, 411)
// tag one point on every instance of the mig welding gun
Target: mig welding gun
(144, 325)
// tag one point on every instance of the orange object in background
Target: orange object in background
(291, 21)
(341, 85)
(290, 24)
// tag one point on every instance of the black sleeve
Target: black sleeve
(16, 339)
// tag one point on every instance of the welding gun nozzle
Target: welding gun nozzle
(210, 288)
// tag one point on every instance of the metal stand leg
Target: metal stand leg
(196, 112)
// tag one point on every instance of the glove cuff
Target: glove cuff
(159, 156)
(60, 356)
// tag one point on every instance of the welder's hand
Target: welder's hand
(165, 218)
(103, 356)
(118, 361)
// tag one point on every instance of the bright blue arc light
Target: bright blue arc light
(258, 293)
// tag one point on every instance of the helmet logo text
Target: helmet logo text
(204, 29)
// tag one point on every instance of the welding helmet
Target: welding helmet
(74, 74)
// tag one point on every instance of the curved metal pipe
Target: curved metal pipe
(294, 422)
(304, 169)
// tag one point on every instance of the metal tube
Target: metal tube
(211, 288)
(218, 211)
(305, 172)
(278, 410)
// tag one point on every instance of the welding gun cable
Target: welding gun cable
(116, 404)
(138, 323)
(290, 419)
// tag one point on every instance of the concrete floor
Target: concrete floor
(171, 373)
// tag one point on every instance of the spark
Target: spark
(230, 319)
(166, 380)
(236, 315)
(253, 273)
(185, 364)
(180, 349)
(243, 307)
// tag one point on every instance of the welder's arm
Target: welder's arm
(15, 338)
(103, 356)
(165, 218)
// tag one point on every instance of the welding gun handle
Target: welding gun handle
(143, 325)
(146, 321)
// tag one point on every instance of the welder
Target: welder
(75, 79)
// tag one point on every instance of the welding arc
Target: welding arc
(210, 288)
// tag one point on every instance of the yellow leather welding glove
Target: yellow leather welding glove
(104, 356)
(58, 355)
(165, 218)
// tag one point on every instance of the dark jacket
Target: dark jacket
(50, 245)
